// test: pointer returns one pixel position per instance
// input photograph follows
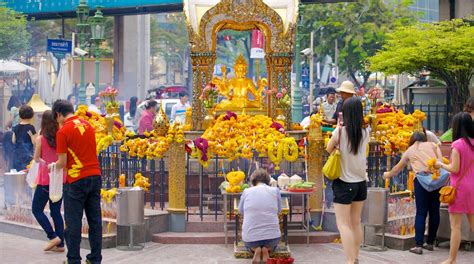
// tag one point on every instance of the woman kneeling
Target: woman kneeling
(260, 206)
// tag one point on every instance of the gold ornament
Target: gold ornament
(161, 123)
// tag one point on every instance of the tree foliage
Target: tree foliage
(14, 37)
(360, 29)
(169, 37)
(445, 49)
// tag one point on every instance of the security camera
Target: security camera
(306, 52)
(80, 52)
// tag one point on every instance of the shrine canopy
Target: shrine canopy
(195, 10)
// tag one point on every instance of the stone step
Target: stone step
(198, 226)
(192, 238)
(218, 237)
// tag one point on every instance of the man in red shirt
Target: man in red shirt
(76, 148)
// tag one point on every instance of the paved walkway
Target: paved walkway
(15, 249)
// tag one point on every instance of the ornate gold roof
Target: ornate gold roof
(195, 10)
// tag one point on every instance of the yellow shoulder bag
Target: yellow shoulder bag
(332, 167)
(448, 193)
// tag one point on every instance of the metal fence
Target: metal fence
(203, 196)
(438, 116)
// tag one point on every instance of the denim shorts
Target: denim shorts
(268, 243)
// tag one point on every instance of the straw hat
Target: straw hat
(346, 87)
(37, 104)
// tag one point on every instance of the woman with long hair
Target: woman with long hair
(45, 154)
(132, 117)
(427, 201)
(461, 168)
(350, 190)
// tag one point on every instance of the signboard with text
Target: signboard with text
(59, 47)
(257, 50)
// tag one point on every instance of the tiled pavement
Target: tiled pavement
(14, 249)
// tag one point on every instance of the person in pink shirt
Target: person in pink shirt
(45, 154)
(146, 120)
(462, 178)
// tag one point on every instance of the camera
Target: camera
(306, 52)
(80, 52)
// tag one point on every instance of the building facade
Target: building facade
(428, 10)
(449, 9)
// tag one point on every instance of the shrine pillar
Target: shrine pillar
(203, 67)
(177, 187)
(315, 167)
(279, 76)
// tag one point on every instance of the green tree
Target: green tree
(14, 37)
(359, 28)
(169, 37)
(445, 49)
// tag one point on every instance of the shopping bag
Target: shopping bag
(332, 167)
(31, 177)
(55, 183)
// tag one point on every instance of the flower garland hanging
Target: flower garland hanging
(275, 153)
(202, 145)
(290, 149)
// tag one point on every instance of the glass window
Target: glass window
(434, 16)
(169, 106)
(423, 3)
(434, 4)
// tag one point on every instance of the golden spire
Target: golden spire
(240, 60)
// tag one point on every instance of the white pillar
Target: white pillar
(5, 94)
(133, 55)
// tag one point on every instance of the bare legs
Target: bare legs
(456, 222)
(265, 254)
(356, 211)
(348, 223)
(257, 255)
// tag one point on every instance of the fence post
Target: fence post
(314, 174)
(177, 187)
(428, 117)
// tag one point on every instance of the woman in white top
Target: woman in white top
(350, 190)
(260, 206)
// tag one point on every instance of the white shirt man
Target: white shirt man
(329, 107)
(178, 111)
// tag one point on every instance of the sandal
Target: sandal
(58, 249)
(429, 247)
(417, 250)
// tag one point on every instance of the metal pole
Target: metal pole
(97, 67)
(311, 74)
(297, 110)
(82, 87)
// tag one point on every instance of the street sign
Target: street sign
(59, 47)
(305, 71)
(305, 84)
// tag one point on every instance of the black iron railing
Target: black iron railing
(203, 196)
